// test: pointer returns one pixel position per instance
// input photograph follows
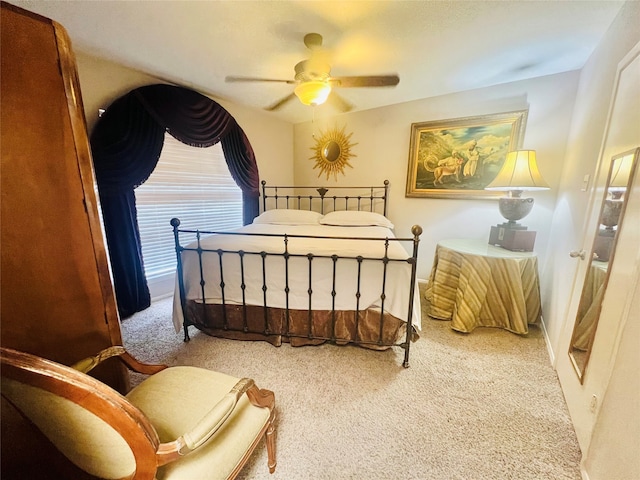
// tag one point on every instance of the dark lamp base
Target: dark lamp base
(515, 208)
(514, 239)
(511, 225)
(603, 244)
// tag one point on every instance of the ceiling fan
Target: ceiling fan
(313, 81)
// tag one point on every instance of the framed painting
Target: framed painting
(457, 158)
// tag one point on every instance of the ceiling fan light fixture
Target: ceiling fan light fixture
(314, 92)
(314, 83)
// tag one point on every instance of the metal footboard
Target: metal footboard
(287, 257)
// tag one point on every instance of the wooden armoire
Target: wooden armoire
(57, 298)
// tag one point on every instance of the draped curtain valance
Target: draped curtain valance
(126, 144)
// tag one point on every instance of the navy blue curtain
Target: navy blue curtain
(126, 144)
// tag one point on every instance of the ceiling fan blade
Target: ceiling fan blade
(233, 78)
(339, 102)
(280, 102)
(366, 81)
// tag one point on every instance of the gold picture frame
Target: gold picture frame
(457, 158)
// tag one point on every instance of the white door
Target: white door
(623, 134)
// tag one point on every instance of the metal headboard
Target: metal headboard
(317, 198)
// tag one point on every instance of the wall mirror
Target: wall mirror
(611, 216)
(332, 152)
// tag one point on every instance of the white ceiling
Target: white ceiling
(436, 47)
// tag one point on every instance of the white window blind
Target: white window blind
(192, 184)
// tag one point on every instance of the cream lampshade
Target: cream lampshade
(620, 176)
(519, 173)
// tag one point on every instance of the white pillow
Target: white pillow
(352, 218)
(286, 216)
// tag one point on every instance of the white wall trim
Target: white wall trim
(547, 342)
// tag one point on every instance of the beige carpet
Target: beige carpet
(485, 405)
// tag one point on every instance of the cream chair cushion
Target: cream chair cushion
(163, 399)
(88, 441)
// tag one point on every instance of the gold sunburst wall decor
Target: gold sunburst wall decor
(332, 152)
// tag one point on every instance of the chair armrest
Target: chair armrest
(139, 367)
(214, 419)
(87, 364)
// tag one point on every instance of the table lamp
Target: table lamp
(518, 173)
(620, 173)
(612, 207)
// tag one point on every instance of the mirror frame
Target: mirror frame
(580, 366)
(336, 165)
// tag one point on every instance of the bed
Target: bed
(311, 268)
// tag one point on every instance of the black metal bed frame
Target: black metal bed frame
(375, 195)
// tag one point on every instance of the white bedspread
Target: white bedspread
(397, 284)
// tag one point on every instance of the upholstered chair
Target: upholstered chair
(180, 423)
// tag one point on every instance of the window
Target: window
(192, 184)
